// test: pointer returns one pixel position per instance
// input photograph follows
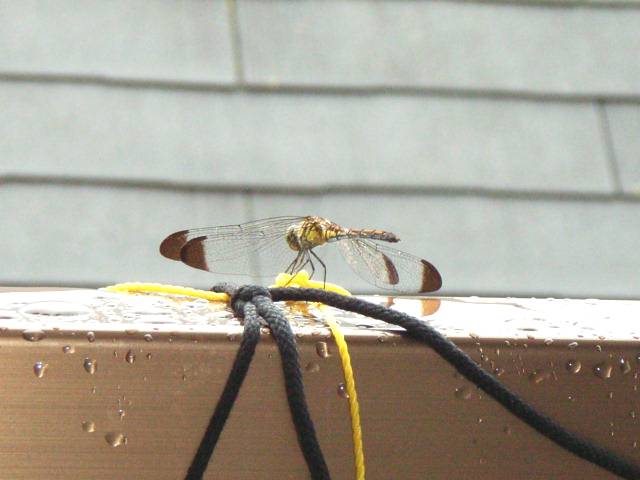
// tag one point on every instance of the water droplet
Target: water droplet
(599, 348)
(33, 335)
(312, 367)
(480, 420)
(322, 349)
(121, 413)
(498, 371)
(89, 426)
(93, 389)
(115, 439)
(603, 370)
(148, 337)
(342, 390)
(538, 376)
(463, 393)
(39, 368)
(130, 357)
(573, 345)
(149, 356)
(548, 341)
(91, 336)
(90, 365)
(610, 395)
(625, 366)
(68, 349)
(632, 414)
(573, 366)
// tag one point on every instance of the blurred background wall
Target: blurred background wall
(499, 140)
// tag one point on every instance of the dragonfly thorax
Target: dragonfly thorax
(308, 234)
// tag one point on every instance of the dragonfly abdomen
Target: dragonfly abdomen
(370, 234)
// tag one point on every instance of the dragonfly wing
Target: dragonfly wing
(232, 249)
(389, 268)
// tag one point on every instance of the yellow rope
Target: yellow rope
(354, 406)
(300, 279)
(136, 287)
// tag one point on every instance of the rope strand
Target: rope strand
(472, 371)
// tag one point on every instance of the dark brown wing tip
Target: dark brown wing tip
(171, 246)
(392, 272)
(431, 279)
(192, 253)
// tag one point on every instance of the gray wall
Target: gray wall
(501, 141)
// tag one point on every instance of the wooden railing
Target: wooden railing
(103, 385)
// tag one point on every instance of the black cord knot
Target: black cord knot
(244, 294)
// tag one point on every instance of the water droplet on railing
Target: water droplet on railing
(33, 335)
(312, 367)
(573, 366)
(625, 366)
(538, 376)
(342, 390)
(115, 439)
(130, 357)
(89, 426)
(56, 309)
(39, 368)
(91, 337)
(463, 393)
(90, 365)
(603, 370)
(148, 337)
(322, 349)
(68, 349)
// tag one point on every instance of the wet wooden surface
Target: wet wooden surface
(102, 385)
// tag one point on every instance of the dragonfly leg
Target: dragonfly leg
(324, 268)
(311, 264)
(292, 266)
(297, 264)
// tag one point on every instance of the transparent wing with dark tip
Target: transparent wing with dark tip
(234, 249)
(389, 268)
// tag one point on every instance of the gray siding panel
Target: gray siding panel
(624, 123)
(161, 40)
(88, 235)
(493, 246)
(450, 45)
(284, 140)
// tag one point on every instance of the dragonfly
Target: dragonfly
(290, 243)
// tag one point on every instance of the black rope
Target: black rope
(253, 303)
(256, 302)
(464, 364)
(250, 338)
